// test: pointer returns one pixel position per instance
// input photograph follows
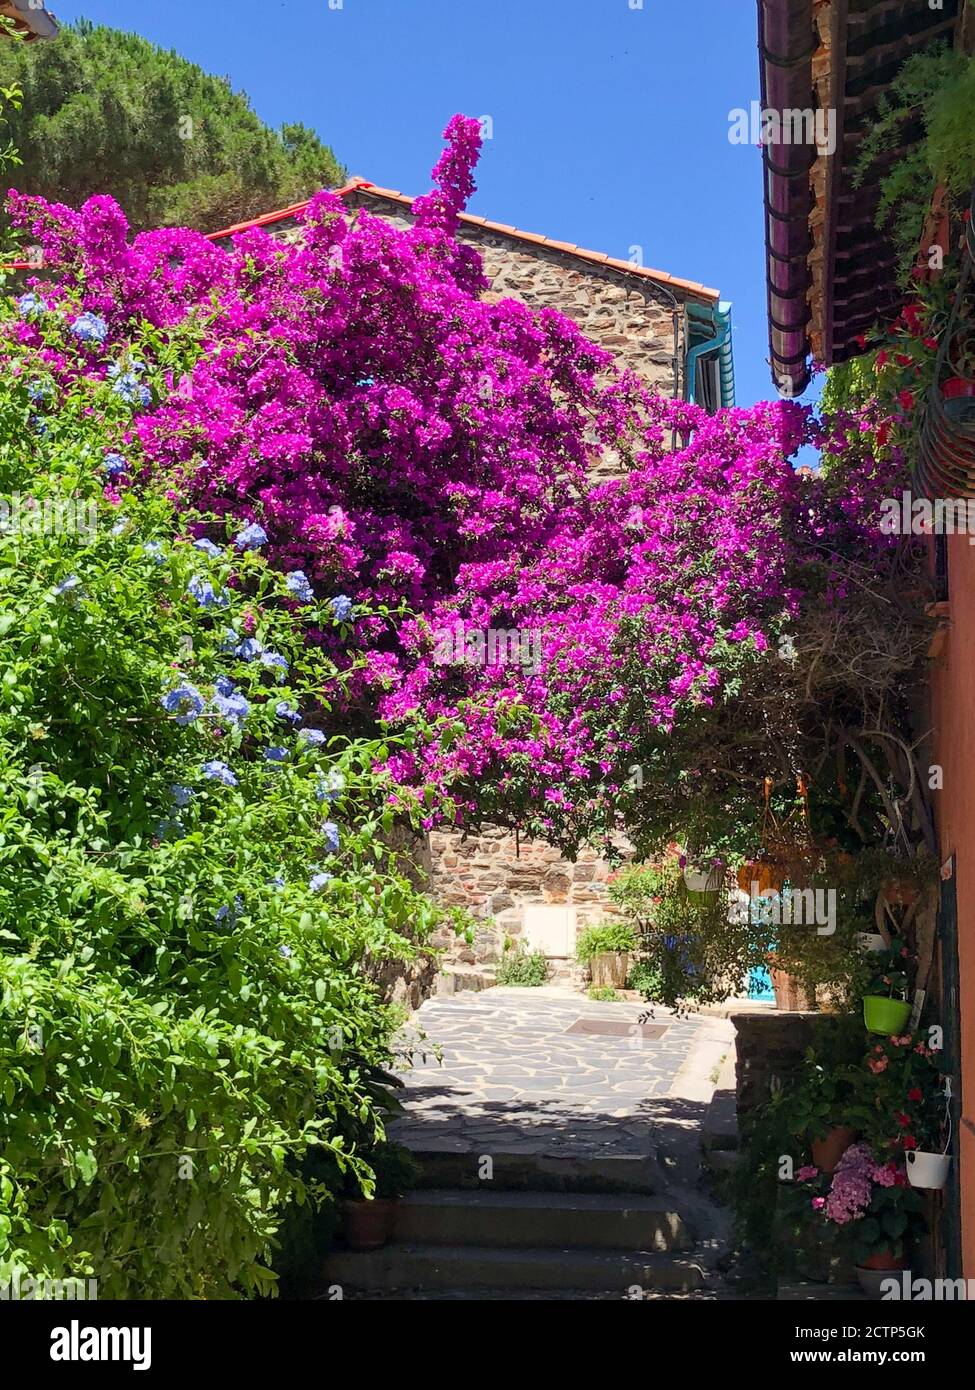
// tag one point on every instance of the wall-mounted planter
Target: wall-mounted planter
(929, 1170)
(883, 1015)
(871, 941)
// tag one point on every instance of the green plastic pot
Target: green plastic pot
(883, 1015)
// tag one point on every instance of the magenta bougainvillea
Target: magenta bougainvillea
(426, 459)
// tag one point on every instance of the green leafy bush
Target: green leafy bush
(521, 967)
(605, 936)
(190, 890)
(602, 994)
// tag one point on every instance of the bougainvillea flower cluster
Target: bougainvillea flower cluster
(425, 459)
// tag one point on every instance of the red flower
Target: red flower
(909, 1141)
(915, 1093)
(903, 359)
(861, 340)
(882, 358)
(906, 399)
(902, 1119)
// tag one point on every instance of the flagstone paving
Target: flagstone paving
(529, 1070)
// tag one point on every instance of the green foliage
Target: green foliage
(611, 935)
(395, 1170)
(936, 87)
(692, 950)
(109, 112)
(185, 1013)
(521, 967)
(602, 994)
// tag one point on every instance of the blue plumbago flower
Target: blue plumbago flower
(41, 427)
(318, 881)
(331, 833)
(226, 911)
(90, 328)
(276, 755)
(31, 306)
(299, 587)
(168, 826)
(277, 882)
(205, 594)
(208, 548)
(185, 701)
(233, 707)
(341, 607)
(274, 659)
(121, 526)
(114, 465)
(285, 951)
(223, 685)
(39, 391)
(155, 551)
(251, 538)
(287, 712)
(131, 390)
(330, 786)
(182, 796)
(219, 772)
(67, 586)
(313, 736)
(230, 640)
(249, 649)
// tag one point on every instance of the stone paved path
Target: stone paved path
(531, 1070)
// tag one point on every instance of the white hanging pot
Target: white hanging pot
(871, 941)
(709, 882)
(927, 1169)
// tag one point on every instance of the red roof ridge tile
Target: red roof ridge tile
(375, 190)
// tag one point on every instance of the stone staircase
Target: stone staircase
(497, 1242)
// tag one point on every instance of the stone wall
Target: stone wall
(522, 890)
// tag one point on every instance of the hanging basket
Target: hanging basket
(886, 1016)
(928, 1170)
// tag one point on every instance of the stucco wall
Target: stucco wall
(953, 693)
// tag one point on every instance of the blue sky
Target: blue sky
(610, 123)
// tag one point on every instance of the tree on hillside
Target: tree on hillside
(109, 112)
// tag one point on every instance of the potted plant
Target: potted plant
(367, 1221)
(885, 1010)
(820, 1108)
(606, 947)
(871, 1201)
(702, 880)
(761, 875)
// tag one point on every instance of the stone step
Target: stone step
(538, 1172)
(456, 979)
(428, 1267)
(539, 1219)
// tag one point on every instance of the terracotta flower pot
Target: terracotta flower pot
(367, 1225)
(886, 1016)
(827, 1152)
(765, 873)
(874, 1270)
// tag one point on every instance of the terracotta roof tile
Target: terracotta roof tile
(372, 190)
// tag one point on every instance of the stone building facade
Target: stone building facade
(676, 335)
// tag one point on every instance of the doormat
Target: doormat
(609, 1028)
